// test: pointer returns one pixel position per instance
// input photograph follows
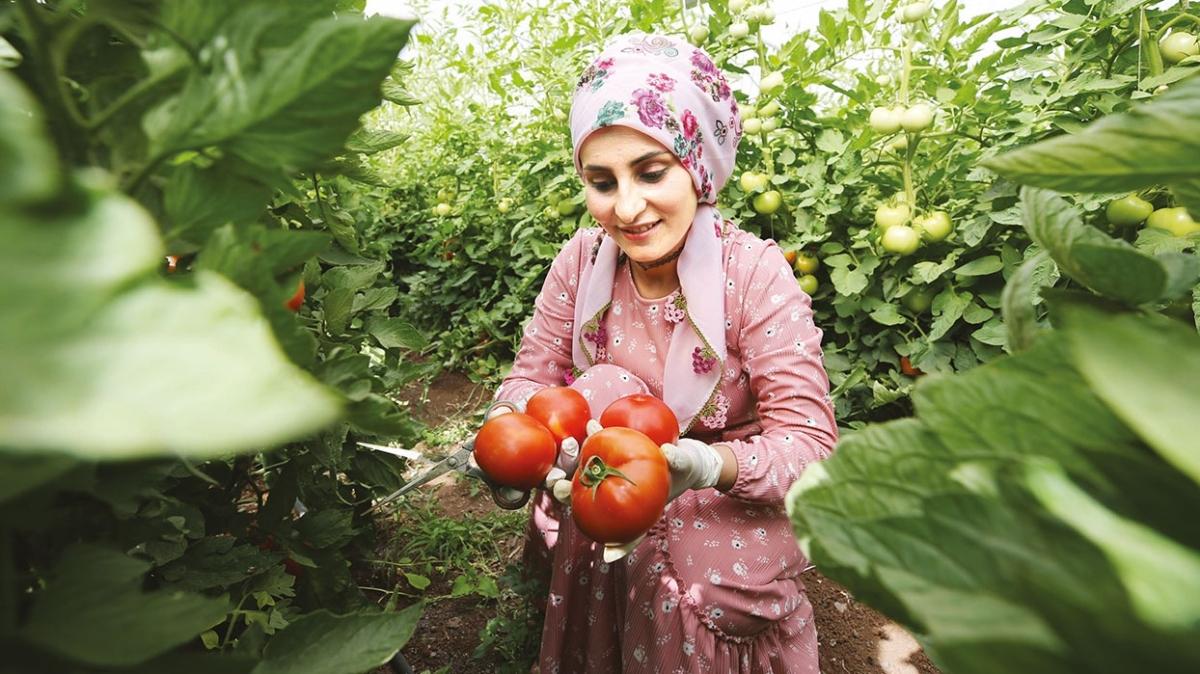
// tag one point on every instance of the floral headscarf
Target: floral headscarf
(673, 93)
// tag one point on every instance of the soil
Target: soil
(853, 638)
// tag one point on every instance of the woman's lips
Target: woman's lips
(640, 233)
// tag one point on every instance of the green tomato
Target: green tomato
(901, 240)
(442, 209)
(752, 126)
(698, 34)
(885, 120)
(550, 213)
(934, 226)
(770, 124)
(914, 12)
(917, 118)
(808, 283)
(1128, 211)
(1177, 46)
(748, 112)
(504, 205)
(806, 263)
(771, 82)
(1174, 220)
(736, 6)
(769, 110)
(888, 216)
(898, 144)
(566, 207)
(445, 194)
(753, 182)
(739, 30)
(918, 300)
(883, 80)
(768, 202)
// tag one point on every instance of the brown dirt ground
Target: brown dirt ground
(854, 639)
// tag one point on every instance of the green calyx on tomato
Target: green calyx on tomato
(621, 486)
(1128, 211)
(1177, 46)
(808, 283)
(645, 414)
(934, 226)
(901, 240)
(442, 209)
(1177, 221)
(885, 120)
(515, 450)
(767, 202)
(806, 263)
(891, 215)
(562, 410)
(917, 118)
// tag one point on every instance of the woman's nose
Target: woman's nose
(629, 205)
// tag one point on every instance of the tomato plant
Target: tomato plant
(1127, 211)
(644, 413)
(621, 486)
(563, 411)
(515, 450)
(1177, 221)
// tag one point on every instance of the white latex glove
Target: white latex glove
(694, 465)
(558, 480)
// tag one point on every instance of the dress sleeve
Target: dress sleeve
(545, 352)
(781, 349)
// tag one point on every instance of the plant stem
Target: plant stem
(905, 73)
(140, 89)
(8, 582)
(63, 125)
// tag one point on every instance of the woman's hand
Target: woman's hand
(558, 480)
(696, 465)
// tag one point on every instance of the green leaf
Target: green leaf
(323, 643)
(375, 299)
(192, 212)
(326, 528)
(104, 361)
(1161, 576)
(216, 562)
(418, 581)
(93, 611)
(1020, 314)
(338, 306)
(948, 307)
(395, 333)
(1146, 367)
(279, 105)
(371, 141)
(1108, 266)
(1188, 194)
(981, 267)
(1154, 143)
(28, 166)
(887, 314)
(21, 473)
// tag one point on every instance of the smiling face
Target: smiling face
(638, 191)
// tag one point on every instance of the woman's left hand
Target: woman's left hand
(694, 465)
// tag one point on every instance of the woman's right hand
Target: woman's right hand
(558, 480)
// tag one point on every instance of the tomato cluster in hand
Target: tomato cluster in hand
(643, 413)
(621, 486)
(515, 450)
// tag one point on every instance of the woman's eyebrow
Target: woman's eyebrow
(635, 162)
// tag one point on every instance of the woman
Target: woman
(669, 298)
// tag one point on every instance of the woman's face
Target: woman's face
(638, 191)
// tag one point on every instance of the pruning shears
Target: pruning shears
(459, 460)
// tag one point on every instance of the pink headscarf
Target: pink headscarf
(673, 93)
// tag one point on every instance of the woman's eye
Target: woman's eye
(654, 176)
(602, 186)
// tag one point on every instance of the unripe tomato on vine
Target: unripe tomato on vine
(901, 240)
(1128, 211)
(806, 263)
(698, 34)
(769, 110)
(442, 209)
(752, 126)
(771, 82)
(768, 202)
(917, 118)
(885, 120)
(808, 283)
(914, 11)
(753, 182)
(918, 300)
(770, 124)
(736, 6)
(891, 215)
(504, 205)
(739, 30)
(934, 226)
(1177, 221)
(1177, 46)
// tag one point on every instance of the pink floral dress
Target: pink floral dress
(715, 585)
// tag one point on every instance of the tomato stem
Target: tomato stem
(596, 471)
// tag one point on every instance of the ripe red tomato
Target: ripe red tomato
(907, 368)
(621, 487)
(297, 298)
(172, 263)
(563, 411)
(643, 413)
(515, 450)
